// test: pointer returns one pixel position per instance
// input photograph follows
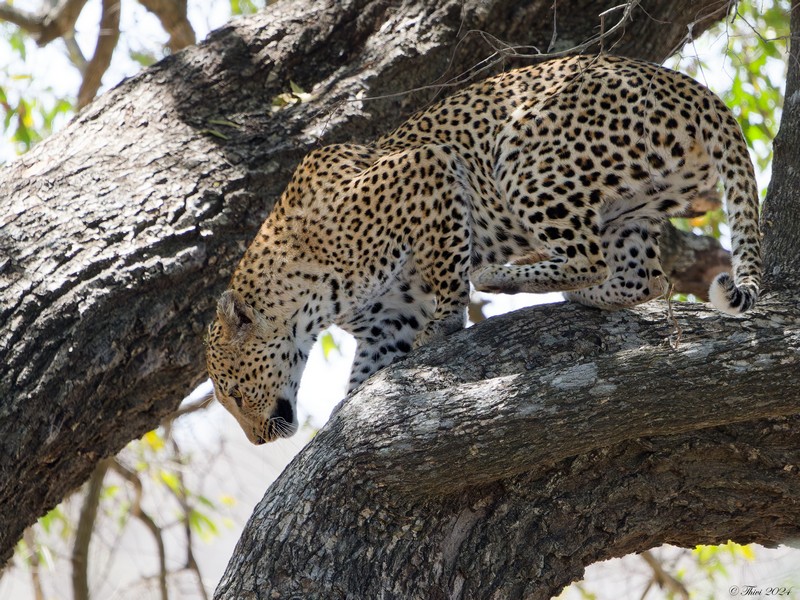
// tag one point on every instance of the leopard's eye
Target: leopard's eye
(236, 394)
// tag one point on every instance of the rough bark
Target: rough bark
(117, 234)
(781, 211)
(500, 463)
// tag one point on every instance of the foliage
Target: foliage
(146, 482)
(30, 112)
(754, 42)
(243, 7)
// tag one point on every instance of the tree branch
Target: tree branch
(567, 389)
(107, 38)
(45, 28)
(75, 53)
(502, 461)
(172, 14)
(662, 578)
(83, 533)
(138, 513)
(35, 565)
(186, 508)
(24, 20)
(781, 208)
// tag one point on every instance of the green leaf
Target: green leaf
(215, 133)
(153, 440)
(243, 7)
(206, 502)
(225, 122)
(109, 492)
(328, 344)
(143, 58)
(55, 517)
(17, 43)
(296, 89)
(171, 480)
(202, 525)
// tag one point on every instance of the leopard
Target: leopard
(550, 177)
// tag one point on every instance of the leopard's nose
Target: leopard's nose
(284, 410)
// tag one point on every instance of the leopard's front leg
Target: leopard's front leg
(441, 238)
(385, 329)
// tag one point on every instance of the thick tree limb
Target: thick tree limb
(499, 463)
(117, 233)
(781, 209)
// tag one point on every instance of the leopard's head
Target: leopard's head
(255, 367)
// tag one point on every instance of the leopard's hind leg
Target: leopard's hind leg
(564, 259)
(632, 254)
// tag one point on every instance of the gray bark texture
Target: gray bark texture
(781, 213)
(502, 462)
(118, 233)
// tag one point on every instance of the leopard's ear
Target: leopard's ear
(236, 316)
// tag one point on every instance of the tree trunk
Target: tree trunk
(781, 213)
(117, 234)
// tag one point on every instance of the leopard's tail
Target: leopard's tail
(723, 140)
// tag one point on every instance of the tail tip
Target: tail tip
(727, 297)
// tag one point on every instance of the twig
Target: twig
(199, 404)
(671, 316)
(663, 578)
(22, 19)
(36, 581)
(137, 512)
(183, 500)
(47, 27)
(83, 533)
(552, 43)
(504, 51)
(172, 14)
(106, 42)
(75, 53)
